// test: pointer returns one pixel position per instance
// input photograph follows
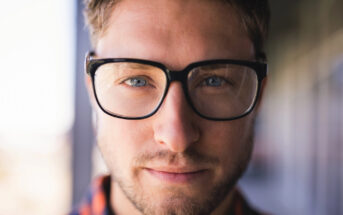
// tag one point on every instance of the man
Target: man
(175, 85)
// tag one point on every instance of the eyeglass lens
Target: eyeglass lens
(222, 90)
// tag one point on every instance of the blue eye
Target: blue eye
(136, 82)
(213, 81)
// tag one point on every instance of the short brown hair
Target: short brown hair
(254, 15)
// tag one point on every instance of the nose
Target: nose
(175, 122)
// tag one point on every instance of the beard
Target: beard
(179, 203)
(176, 201)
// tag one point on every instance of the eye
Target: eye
(136, 82)
(213, 81)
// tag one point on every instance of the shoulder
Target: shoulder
(96, 201)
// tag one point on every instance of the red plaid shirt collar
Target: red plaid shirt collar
(97, 202)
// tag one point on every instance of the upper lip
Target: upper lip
(176, 170)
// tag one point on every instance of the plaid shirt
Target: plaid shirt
(97, 201)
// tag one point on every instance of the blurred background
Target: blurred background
(47, 153)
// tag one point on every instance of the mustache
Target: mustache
(188, 157)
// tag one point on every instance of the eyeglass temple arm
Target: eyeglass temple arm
(88, 58)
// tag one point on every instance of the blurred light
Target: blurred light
(37, 57)
(37, 51)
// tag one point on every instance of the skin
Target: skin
(151, 160)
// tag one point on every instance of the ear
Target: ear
(262, 92)
(89, 86)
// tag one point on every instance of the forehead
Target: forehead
(178, 30)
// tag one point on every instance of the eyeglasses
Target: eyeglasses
(215, 89)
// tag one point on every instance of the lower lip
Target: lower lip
(177, 177)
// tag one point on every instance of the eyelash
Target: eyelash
(203, 80)
(148, 81)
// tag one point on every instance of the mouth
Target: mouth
(177, 175)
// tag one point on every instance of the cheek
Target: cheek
(120, 140)
(230, 141)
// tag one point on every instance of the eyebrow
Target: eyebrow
(213, 66)
(139, 66)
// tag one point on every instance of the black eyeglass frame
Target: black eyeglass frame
(91, 66)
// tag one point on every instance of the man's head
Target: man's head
(176, 161)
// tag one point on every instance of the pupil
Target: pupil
(137, 82)
(213, 81)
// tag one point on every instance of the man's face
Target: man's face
(174, 162)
